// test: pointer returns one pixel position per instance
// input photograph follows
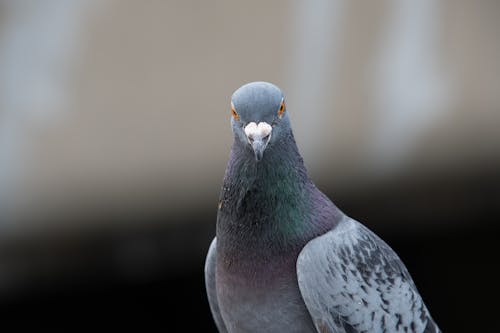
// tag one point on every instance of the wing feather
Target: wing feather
(212, 287)
(352, 281)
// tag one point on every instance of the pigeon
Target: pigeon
(285, 258)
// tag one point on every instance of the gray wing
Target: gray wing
(212, 288)
(352, 281)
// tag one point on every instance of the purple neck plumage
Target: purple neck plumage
(269, 208)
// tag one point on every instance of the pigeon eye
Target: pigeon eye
(235, 114)
(282, 108)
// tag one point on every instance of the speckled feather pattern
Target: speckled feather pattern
(352, 281)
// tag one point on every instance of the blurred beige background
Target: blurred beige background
(114, 137)
(124, 105)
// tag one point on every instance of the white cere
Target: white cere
(252, 130)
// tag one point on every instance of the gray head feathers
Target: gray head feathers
(259, 117)
(257, 102)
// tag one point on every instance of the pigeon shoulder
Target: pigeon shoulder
(352, 281)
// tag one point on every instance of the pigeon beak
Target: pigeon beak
(258, 137)
(258, 148)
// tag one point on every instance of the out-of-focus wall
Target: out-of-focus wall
(124, 105)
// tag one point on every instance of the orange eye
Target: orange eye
(282, 109)
(234, 113)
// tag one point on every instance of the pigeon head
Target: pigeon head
(259, 118)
